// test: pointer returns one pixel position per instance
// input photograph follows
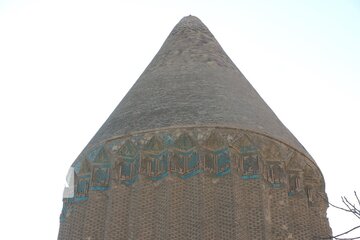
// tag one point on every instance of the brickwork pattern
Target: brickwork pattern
(209, 229)
(162, 211)
(224, 208)
(117, 220)
(94, 220)
(253, 207)
(268, 190)
(300, 224)
(77, 223)
(177, 211)
(279, 214)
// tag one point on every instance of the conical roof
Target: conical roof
(192, 82)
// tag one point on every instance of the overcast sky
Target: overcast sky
(65, 65)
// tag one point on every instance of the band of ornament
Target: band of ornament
(186, 152)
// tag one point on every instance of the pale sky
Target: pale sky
(65, 65)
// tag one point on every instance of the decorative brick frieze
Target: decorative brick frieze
(186, 152)
(195, 183)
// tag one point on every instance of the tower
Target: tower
(193, 152)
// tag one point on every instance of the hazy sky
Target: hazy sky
(65, 65)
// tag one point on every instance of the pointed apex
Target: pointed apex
(191, 20)
(191, 23)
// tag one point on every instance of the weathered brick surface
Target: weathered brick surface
(299, 218)
(279, 213)
(162, 211)
(253, 208)
(117, 217)
(192, 81)
(76, 223)
(209, 229)
(94, 220)
(224, 208)
(197, 208)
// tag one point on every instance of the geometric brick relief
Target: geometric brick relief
(100, 177)
(82, 181)
(294, 182)
(248, 158)
(186, 152)
(127, 162)
(274, 169)
(294, 175)
(154, 162)
(275, 174)
(185, 161)
(216, 155)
